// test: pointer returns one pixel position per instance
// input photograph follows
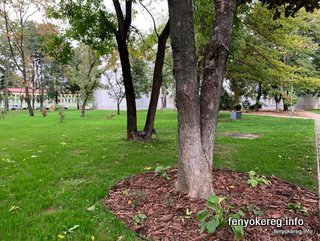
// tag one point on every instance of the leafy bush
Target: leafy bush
(255, 107)
(217, 217)
(225, 101)
(237, 107)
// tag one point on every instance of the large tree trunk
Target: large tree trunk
(124, 24)
(216, 55)
(157, 81)
(194, 172)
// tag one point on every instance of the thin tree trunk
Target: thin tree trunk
(118, 108)
(216, 55)
(124, 23)
(83, 107)
(157, 81)
(277, 105)
(6, 81)
(194, 173)
(285, 106)
(56, 98)
(258, 96)
(129, 90)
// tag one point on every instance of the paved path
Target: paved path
(316, 119)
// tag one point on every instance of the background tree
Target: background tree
(92, 24)
(85, 73)
(15, 15)
(115, 89)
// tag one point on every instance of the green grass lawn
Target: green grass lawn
(54, 171)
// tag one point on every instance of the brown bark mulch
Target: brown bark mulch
(166, 209)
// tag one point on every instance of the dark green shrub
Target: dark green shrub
(237, 107)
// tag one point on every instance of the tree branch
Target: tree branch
(154, 22)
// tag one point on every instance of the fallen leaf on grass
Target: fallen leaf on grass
(92, 208)
(147, 168)
(60, 236)
(13, 208)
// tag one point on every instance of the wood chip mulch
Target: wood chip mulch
(166, 209)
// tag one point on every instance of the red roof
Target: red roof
(22, 90)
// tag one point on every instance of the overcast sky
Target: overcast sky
(142, 20)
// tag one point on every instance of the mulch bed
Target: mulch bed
(165, 209)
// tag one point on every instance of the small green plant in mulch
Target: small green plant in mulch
(163, 172)
(254, 179)
(139, 219)
(134, 197)
(218, 215)
(296, 208)
(254, 209)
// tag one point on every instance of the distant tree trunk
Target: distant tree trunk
(6, 81)
(122, 34)
(21, 99)
(56, 98)
(83, 107)
(41, 85)
(277, 99)
(78, 104)
(25, 82)
(33, 97)
(157, 81)
(194, 172)
(258, 96)
(216, 55)
(118, 108)
(163, 99)
(285, 106)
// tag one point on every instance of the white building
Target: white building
(102, 100)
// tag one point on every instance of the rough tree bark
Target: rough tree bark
(216, 55)
(121, 37)
(195, 149)
(157, 81)
(194, 172)
(197, 114)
